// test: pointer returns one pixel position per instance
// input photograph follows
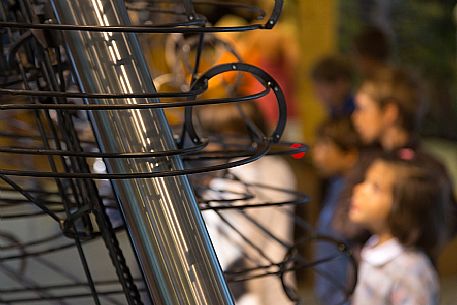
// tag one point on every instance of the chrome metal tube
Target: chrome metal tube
(162, 215)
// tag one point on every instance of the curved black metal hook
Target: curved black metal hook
(263, 77)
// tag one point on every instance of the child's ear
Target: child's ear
(391, 113)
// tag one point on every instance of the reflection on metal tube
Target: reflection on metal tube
(162, 215)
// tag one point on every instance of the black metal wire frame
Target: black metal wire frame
(294, 262)
(197, 87)
(213, 204)
(239, 202)
(77, 197)
(291, 261)
(84, 195)
(262, 147)
(186, 12)
(194, 25)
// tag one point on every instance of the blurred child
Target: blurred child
(403, 204)
(334, 154)
(389, 109)
(332, 82)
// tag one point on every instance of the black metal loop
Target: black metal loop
(56, 152)
(154, 105)
(262, 149)
(263, 77)
(44, 93)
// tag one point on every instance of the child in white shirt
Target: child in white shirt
(403, 204)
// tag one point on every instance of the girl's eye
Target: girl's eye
(376, 187)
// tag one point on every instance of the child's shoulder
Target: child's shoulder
(415, 280)
(415, 264)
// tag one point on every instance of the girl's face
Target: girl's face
(372, 199)
(367, 118)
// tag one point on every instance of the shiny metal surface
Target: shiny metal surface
(162, 215)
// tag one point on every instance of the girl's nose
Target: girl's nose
(358, 188)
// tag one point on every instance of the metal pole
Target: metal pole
(162, 215)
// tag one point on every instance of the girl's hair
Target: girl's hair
(420, 201)
(396, 86)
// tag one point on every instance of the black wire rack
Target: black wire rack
(61, 234)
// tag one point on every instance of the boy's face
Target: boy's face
(368, 118)
(329, 159)
(372, 199)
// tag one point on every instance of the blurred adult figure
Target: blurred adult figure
(332, 81)
(370, 51)
(258, 180)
